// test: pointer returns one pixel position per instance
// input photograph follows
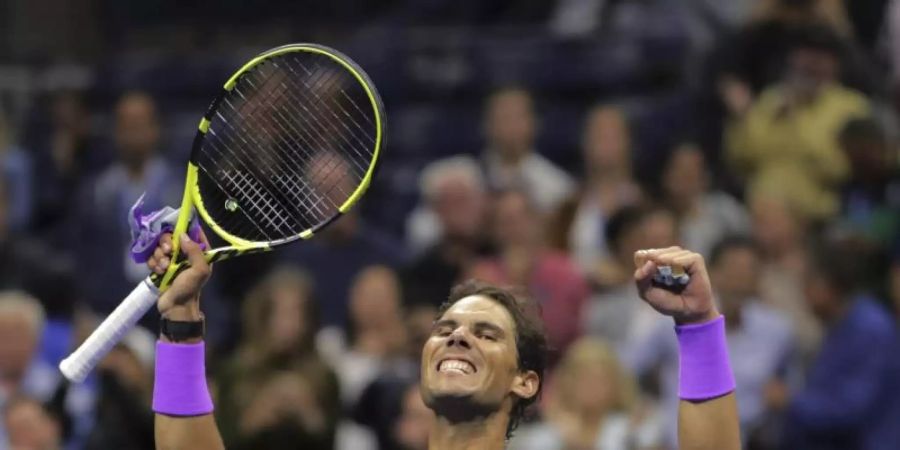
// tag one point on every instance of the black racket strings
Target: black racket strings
(286, 123)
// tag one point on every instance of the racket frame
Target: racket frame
(192, 198)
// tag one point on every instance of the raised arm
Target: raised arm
(181, 399)
(707, 413)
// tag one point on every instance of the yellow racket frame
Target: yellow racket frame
(193, 200)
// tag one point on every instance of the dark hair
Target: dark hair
(817, 37)
(734, 242)
(862, 128)
(624, 219)
(842, 263)
(531, 342)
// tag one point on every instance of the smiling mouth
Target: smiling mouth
(460, 366)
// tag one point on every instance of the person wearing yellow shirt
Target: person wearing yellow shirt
(787, 139)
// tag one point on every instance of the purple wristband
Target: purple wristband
(179, 388)
(705, 371)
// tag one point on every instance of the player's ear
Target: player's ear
(526, 384)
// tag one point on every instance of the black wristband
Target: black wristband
(178, 331)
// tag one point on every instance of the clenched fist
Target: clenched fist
(694, 304)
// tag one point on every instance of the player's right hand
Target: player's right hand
(182, 300)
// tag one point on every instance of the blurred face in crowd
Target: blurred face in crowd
(470, 361)
(511, 123)
(606, 141)
(821, 297)
(869, 157)
(685, 177)
(70, 114)
(137, 128)
(414, 424)
(18, 344)
(29, 427)
(375, 307)
(736, 276)
(460, 206)
(515, 222)
(775, 227)
(658, 230)
(288, 320)
(810, 69)
(594, 388)
(590, 381)
(334, 182)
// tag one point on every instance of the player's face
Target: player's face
(471, 353)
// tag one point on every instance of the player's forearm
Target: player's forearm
(187, 433)
(710, 424)
(707, 413)
(181, 399)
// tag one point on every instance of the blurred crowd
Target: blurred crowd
(784, 173)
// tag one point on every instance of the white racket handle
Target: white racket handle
(77, 366)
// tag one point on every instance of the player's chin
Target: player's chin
(441, 384)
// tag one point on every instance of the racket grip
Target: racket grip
(77, 366)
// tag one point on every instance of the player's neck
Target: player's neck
(484, 433)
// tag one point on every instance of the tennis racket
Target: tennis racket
(290, 144)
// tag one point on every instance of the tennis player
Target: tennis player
(481, 367)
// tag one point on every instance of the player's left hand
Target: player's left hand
(692, 305)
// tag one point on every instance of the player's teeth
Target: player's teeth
(453, 364)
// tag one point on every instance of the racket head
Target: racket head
(290, 144)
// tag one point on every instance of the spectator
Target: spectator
(593, 404)
(277, 392)
(377, 332)
(414, 424)
(615, 314)
(523, 259)
(786, 139)
(101, 235)
(754, 58)
(609, 185)
(16, 168)
(124, 418)
(704, 216)
(511, 160)
(26, 264)
(21, 370)
(343, 249)
(68, 156)
(455, 191)
(780, 232)
(759, 341)
(871, 197)
(30, 425)
(850, 397)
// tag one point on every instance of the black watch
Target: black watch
(178, 331)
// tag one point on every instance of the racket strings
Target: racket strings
(331, 79)
(322, 140)
(306, 153)
(317, 119)
(254, 196)
(288, 146)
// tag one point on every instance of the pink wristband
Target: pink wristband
(705, 371)
(179, 388)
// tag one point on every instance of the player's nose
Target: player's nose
(458, 339)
